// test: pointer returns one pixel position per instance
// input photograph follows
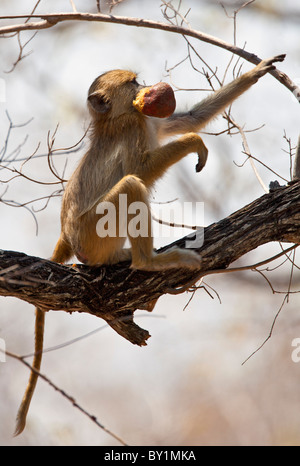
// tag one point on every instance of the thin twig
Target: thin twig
(247, 151)
(285, 300)
(67, 396)
(270, 332)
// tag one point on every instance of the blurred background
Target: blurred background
(189, 385)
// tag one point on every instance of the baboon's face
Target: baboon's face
(112, 94)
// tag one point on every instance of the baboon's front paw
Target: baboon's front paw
(190, 259)
(267, 65)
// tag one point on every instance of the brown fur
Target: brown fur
(125, 157)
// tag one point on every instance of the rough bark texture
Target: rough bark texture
(115, 292)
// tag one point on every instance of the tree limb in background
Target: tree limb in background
(50, 20)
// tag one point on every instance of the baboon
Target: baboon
(125, 157)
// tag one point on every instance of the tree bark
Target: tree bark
(114, 293)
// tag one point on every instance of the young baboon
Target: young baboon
(125, 158)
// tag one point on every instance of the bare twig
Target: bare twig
(51, 151)
(4, 156)
(175, 291)
(285, 300)
(264, 8)
(264, 165)
(22, 46)
(73, 6)
(248, 153)
(67, 396)
(21, 55)
(176, 15)
(114, 3)
(234, 17)
(19, 173)
(270, 332)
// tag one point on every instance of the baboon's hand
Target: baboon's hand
(202, 158)
(267, 65)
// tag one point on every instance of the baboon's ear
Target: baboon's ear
(98, 103)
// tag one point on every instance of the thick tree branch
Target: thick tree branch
(115, 292)
(49, 20)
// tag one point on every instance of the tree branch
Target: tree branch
(114, 293)
(49, 20)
